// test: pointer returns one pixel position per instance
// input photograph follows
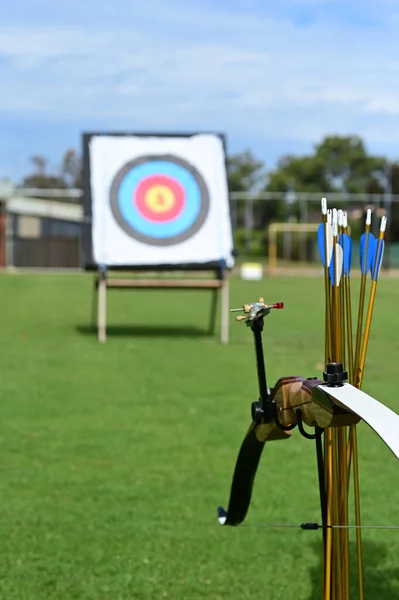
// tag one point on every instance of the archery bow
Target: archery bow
(292, 402)
(330, 406)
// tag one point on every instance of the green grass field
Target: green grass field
(115, 457)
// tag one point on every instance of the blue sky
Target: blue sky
(274, 76)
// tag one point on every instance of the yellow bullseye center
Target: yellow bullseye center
(159, 198)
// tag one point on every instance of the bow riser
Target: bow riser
(317, 408)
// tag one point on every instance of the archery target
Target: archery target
(159, 200)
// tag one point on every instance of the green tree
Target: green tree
(245, 172)
(66, 176)
(338, 163)
(40, 178)
(347, 165)
(303, 173)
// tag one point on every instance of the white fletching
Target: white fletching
(329, 216)
(383, 223)
(330, 242)
(340, 218)
(324, 206)
(378, 416)
(345, 219)
(339, 261)
(368, 217)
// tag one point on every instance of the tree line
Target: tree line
(66, 176)
(337, 164)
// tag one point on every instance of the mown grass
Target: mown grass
(114, 457)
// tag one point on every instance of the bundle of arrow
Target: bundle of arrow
(340, 443)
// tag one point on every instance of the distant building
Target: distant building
(40, 232)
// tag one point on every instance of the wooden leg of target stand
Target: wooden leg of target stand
(102, 309)
(94, 308)
(212, 318)
(224, 330)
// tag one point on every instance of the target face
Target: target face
(159, 200)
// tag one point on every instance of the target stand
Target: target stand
(157, 203)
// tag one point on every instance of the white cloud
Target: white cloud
(388, 105)
(246, 73)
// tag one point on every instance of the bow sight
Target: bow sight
(255, 311)
(264, 409)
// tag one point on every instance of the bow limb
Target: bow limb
(379, 417)
(245, 470)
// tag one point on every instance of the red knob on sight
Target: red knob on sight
(278, 305)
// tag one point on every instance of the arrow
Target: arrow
(378, 253)
(376, 266)
(366, 257)
(325, 243)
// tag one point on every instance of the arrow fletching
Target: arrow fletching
(371, 248)
(322, 243)
(346, 242)
(338, 256)
(377, 260)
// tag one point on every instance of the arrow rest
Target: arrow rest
(309, 436)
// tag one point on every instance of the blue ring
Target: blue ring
(167, 229)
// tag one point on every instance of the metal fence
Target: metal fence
(253, 213)
(44, 228)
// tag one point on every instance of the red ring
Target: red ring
(143, 208)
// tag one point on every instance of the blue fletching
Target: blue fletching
(370, 252)
(321, 243)
(378, 259)
(345, 241)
